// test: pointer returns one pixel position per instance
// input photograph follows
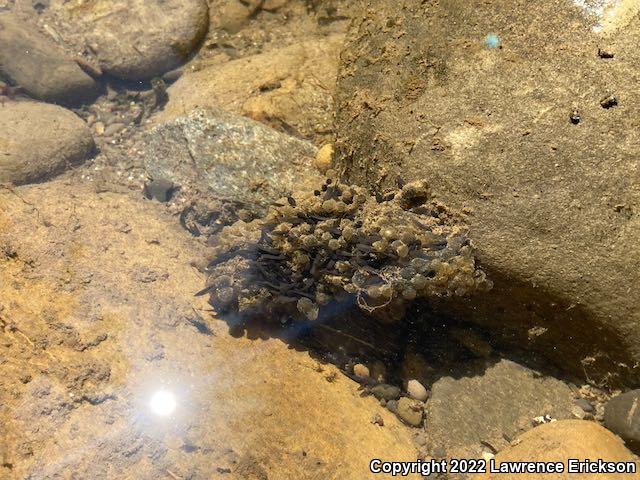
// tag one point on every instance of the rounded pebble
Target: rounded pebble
(324, 158)
(388, 392)
(39, 140)
(40, 67)
(416, 390)
(360, 370)
(585, 405)
(409, 411)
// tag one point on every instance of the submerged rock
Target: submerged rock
(39, 67)
(290, 88)
(416, 390)
(622, 416)
(137, 39)
(554, 205)
(559, 442)
(492, 405)
(361, 371)
(386, 392)
(160, 189)
(39, 140)
(225, 165)
(409, 411)
(231, 16)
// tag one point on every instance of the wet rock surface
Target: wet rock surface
(232, 15)
(134, 39)
(287, 88)
(386, 392)
(492, 406)
(39, 140)
(423, 94)
(40, 67)
(225, 165)
(622, 416)
(560, 441)
(410, 411)
(87, 335)
(97, 277)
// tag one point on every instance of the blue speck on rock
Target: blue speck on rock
(492, 41)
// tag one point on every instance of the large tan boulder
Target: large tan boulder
(536, 140)
(560, 441)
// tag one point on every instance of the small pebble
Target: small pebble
(421, 440)
(392, 406)
(112, 129)
(584, 404)
(386, 392)
(409, 411)
(160, 189)
(439, 452)
(578, 412)
(324, 158)
(377, 420)
(360, 370)
(416, 390)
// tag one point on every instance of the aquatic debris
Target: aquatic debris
(575, 116)
(337, 244)
(609, 101)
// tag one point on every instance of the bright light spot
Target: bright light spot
(163, 403)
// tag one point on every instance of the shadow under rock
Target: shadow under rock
(343, 336)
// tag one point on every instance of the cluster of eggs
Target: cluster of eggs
(339, 243)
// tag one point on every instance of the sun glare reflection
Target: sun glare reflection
(163, 403)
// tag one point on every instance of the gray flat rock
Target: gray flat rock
(492, 407)
(220, 160)
(622, 416)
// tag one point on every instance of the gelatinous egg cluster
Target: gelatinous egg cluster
(340, 244)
